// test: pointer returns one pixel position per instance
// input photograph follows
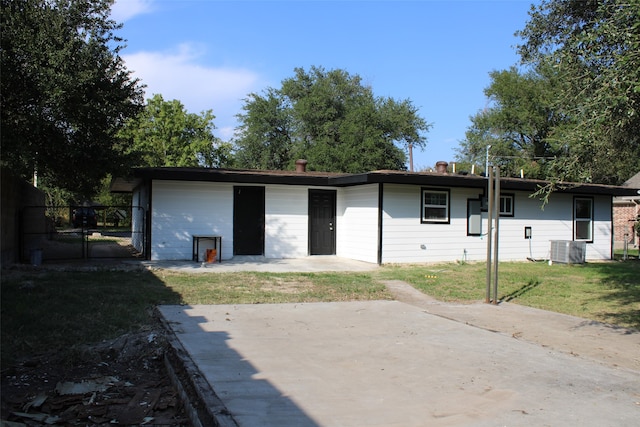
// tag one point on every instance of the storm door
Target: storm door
(322, 222)
(248, 220)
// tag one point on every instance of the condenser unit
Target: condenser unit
(568, 251)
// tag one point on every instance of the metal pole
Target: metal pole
(489, 231)
(486, 163)
(496, 234)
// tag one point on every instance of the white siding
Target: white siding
(357, 223)
(406, 240)
(182, 209)
(286, 221)
(602, 245)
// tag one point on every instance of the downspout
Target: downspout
(613, 231)
(380, 233)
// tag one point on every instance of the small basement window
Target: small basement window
(435, 206)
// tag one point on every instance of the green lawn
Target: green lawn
(44, 311)
(608, 292)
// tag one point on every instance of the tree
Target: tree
(267, 134)
(165, 134)
(329, 118)
(64, 90)
(594, 46)
(518, 125)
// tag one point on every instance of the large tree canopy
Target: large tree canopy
(329, 118)
(64, 90)
(594, 46)
(517, 125)
(165, 134)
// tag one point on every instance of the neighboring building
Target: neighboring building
(626, 211)
(378, 217)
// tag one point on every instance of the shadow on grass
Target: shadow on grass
(623, 281)
(533, 283)
(57, 311)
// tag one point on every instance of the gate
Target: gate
(51, 233)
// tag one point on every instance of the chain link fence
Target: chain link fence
(51, 233)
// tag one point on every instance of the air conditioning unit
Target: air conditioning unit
(568, 251)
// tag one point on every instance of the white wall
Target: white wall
(286, 221)
(182, 209)
(602, 247)
(406, 240)
(357, 223)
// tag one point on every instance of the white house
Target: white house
(378, 217)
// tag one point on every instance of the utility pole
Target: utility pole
(410, 157)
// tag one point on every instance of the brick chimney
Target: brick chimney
(441, 167)
(301, 165)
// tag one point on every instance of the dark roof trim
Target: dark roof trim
(345, 180)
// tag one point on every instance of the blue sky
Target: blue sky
(210, 54)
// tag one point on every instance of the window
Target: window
(583, 219)
(506, 205)
(474, 217)
(435, 206)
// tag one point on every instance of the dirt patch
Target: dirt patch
(122, 381)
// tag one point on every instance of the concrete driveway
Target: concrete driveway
(390, 363)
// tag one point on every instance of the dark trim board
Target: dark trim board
(312, 178)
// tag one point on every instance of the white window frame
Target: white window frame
(503, 199)
(583, 219)
(445, 208)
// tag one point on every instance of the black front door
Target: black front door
(322, 222)
(248, 220)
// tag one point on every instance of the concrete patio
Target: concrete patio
(390, 363)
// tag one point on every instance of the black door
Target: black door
(248, 220)
(322, 222)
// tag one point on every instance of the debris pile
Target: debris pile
(121, 382)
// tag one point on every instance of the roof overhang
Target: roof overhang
(313, 178)
(124, 185)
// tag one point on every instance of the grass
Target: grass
(257, 288)
(608, 292)
(45, 311)
(632, 253)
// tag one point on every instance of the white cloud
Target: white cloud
(179, 75)
(123, 10)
